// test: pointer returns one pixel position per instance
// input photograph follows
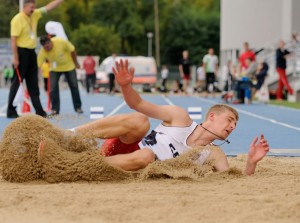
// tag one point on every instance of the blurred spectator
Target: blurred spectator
(185, 70)
(231, 72)
(251, 68)
(295, 38)
(200, 85)
(62, 57)
(90, 73)
(8, 73)
(23, 42)
(210, 65)
(247, 54)
(259, 78)
(164, 77)
(281, 55)
(109, 70)
(45, 70)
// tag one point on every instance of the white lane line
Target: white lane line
(3, 108)
(279, 151)
(282, 107)
(269, 119)
(257, 116)
(167, 100)
(116, 109)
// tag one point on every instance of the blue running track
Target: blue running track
(280, 125)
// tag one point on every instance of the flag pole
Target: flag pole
(21, 4)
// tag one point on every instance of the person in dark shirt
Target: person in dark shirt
(259, 77)
(185, 69)
(281, 55)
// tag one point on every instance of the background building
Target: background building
(262, 23)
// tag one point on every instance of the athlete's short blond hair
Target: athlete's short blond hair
(219, 108)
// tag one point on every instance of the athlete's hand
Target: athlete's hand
(258, 149)
(123, 74)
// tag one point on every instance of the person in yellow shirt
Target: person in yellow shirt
(23, 43)
(45, 69)
(62, 58)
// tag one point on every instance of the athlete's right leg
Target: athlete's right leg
(136, 160)
(129, 128)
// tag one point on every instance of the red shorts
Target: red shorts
(186, 77)
(114, 146)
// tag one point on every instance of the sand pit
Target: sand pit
(163, 192)
(271, 195)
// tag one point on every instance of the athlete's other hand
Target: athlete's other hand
(258, 149)
(124, 74)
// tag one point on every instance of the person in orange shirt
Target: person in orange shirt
(90, 73)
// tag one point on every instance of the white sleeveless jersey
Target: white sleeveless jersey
(168, 142)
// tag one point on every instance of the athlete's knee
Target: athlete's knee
(143, 158)
(217, 154)
(140, 123)
(219, 159)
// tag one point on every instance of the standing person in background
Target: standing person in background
(45, 71)
(62, 57)
(7, 74)
(185, 69)
(164, 77)
(200, 79)
(210, 65)
(247, 54)
(90, 73)
(281, 55)
(23, 43)
(109, 70)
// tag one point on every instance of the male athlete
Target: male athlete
(128, 148)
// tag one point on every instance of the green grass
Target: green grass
(285, 104)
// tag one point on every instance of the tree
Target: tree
(124, 18)
(184, 24)
(95, 40)
(189, 29)
(7, 11)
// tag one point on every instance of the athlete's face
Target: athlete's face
(224, 123)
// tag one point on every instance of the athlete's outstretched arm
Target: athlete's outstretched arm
(257, 151)
(169, 114)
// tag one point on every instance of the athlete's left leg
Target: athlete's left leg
(129, 128)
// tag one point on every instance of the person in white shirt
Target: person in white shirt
(109, 70)
(210, 65)
(200, 79)
(164, 77)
